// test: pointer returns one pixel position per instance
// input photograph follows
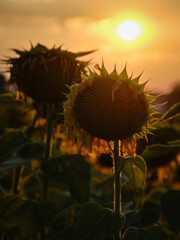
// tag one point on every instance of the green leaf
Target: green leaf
(12, 162)
(150, 233)
(174, 111)
(31, 150)
(157, 150)
(152, 199)
(11, 142)
(147, 216)
(96, 222)
(135, 170)
(24, 216)
(156, 233)
(52, 168)
(170, 203)
(60, 199)
(32, 186)
(11, 205)
(139, 218)
(67, 234)
(15, 217)
(77, 173)
(43, 214)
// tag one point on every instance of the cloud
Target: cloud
(58, 8)
(21, 26)
(93, 8)
(83, 25)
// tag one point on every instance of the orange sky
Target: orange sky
(85, 25)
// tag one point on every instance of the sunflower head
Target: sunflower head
(43, 73)
(108, 106)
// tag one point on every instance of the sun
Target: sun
(129, 30)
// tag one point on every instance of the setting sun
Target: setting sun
(129, 30)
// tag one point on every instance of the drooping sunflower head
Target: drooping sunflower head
(43, 73)
(108, 106)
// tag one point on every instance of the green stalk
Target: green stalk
(44, 194)
(47, 148)
(48, 130)
(15, 180)
(117, 182)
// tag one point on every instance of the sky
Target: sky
(80, 25)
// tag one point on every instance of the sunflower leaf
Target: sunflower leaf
(77, 172)
(157, 150)
(135, 170)
(97, 222)
(150, 233)
(171, 208)
(11, 142)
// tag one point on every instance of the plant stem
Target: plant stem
(117, 182)
(15, 180)
(47, 148)
(44, 194)
(48, 130)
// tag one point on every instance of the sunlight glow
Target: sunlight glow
(109, 35)
(129, 30)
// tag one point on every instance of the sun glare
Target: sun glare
(129, 30)
(126, 32)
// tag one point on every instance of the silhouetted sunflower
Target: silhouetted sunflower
(108, 106)
(43, 73)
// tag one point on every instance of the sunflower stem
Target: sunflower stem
(15, 180)
(48, 130)
(117, 182)
(44, 194)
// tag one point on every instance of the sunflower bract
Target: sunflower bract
(109, 106)
(43, 73)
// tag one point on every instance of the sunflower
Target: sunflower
(110, 107)
(43, 73)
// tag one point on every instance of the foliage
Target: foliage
(135, 170)
(66, 196)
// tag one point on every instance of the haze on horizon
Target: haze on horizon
(80, 26)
